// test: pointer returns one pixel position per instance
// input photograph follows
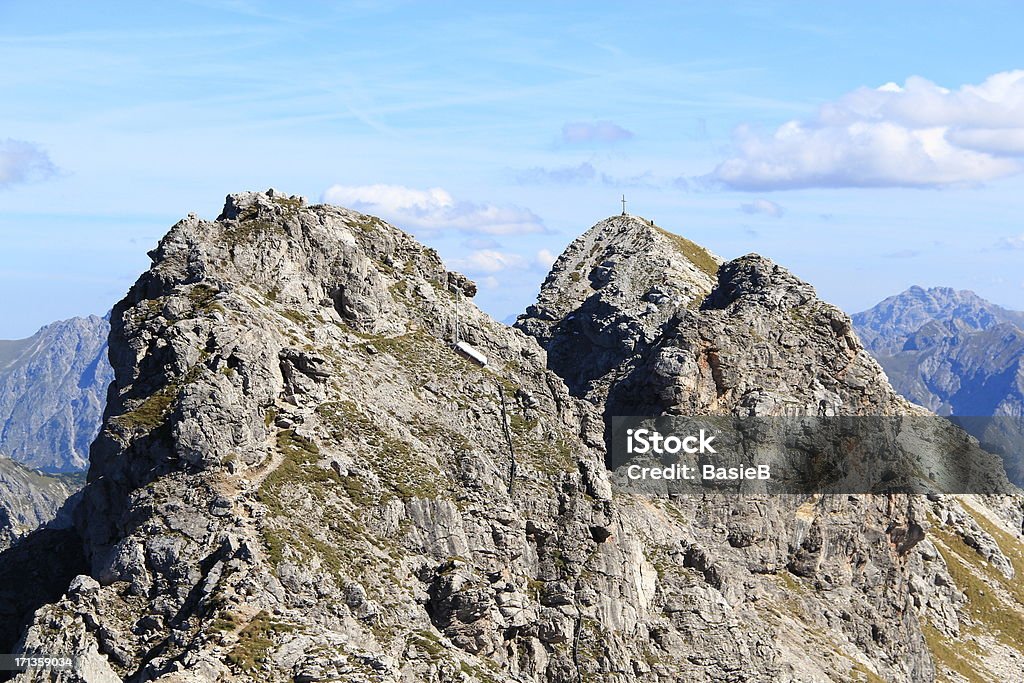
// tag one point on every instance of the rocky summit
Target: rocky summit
(299, 479)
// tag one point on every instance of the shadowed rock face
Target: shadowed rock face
(53, 386)
(298, 480)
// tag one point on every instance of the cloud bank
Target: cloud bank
(915, 135)
(434, 210)
(23, 162)
(1014, 242)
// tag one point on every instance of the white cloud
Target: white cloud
(490, 261)
(434, 210)
(23, 162)
(916, 135)
(1014, 242)
(764, 206)
(583, 132)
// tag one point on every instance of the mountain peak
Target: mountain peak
(238, 204)
(610, 292)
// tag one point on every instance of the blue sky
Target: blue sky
(498, 132)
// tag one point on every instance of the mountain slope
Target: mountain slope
(956, 354)
(53, 386)
(28, 500)
(298, 479)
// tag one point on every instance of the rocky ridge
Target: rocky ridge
(886, 327)
(298, 480)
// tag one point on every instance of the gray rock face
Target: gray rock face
(761, 343)
(53, 387)
(28, 500)
(297, 479)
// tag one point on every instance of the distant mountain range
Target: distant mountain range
(53, 387)
(949, 351)
(957, 355)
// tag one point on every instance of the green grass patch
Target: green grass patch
(695, 254)
(152, 412)
(255, 642)
(202, 296)
(987, 606)
(297, 317)
(405, 472)
(428, 642)
(292, 204)
(861, 674)
(249, 227)
(947, 655)
(299, 466)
